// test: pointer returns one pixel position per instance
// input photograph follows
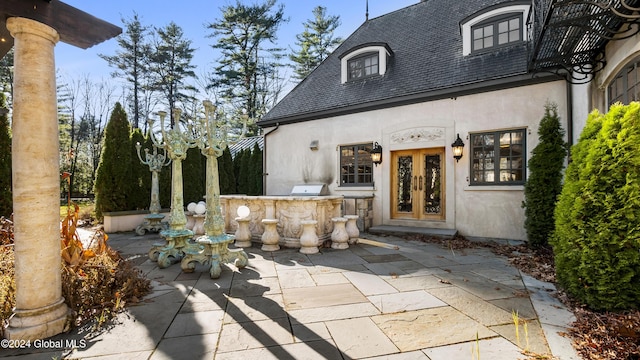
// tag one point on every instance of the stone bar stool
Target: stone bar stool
(309, 238)
(270, 237)
(352, 228)
(243, 234)
(339, 236)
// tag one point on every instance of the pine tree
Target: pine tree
(6, 201)
(316, 42)
(545, 178)
(131, 62)
(113, 179)
(170, 66)
(248, 70)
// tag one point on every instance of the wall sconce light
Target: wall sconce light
(376, 154)
(457, 146)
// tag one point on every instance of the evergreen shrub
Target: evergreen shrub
(596, 240)
(140, 196)
(227, 175)
(256, 171)
(113, 178)
(544, 183)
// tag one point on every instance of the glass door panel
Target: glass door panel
(417, 182)
(404, 175)
(433, 185)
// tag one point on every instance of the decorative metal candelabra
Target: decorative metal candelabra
(176, 143)
(212, 140)
(156, 161)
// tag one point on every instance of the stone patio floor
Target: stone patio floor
(419, 301)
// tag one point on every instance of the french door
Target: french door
(417, 184)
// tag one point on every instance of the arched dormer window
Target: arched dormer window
(495, 27)
(364, 61)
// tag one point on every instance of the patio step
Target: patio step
(409, 230)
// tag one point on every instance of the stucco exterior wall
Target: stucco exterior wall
(482, 211)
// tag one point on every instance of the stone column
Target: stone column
(40, 309)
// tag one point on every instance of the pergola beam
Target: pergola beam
(74, 26)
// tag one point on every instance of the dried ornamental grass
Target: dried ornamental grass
(7, 276)
(96, 281)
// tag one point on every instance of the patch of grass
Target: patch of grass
(87, 213)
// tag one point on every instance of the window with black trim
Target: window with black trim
(625, 87)
(496, 32)
(363, 66)
(498, 157)
(356, 167)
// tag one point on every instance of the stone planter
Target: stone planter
(309, 238)
(339, 236)
(243, 234)
(270, 237)
(352, 228)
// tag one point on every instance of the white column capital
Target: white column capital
(18, 25)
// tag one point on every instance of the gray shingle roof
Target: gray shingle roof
(427, 60)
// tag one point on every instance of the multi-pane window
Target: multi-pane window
(363, 66)
(625, 88)
(498, 157)
(356, 167)
(497, 32)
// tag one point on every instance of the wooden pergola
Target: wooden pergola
(74, 26)
(33, 27)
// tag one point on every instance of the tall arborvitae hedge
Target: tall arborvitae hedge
(596, 241)
(140, 196)
(194, 176)
(6, 201)
(256, 171)
(544, 183)
(242, 164)
(113, 178)
(227, 175)
(164, 182)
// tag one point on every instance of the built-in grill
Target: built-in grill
(309, 190)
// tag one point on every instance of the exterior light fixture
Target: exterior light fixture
(457, 146)
(376, 154)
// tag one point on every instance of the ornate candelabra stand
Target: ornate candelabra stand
(155, 161)
(212, 141)
(176, 143)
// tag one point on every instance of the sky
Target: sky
(192, 16)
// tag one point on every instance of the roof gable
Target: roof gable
(426, 43)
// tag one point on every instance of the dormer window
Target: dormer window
(364, 61)
(497, 32)
(363, 66)
(495, 27)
